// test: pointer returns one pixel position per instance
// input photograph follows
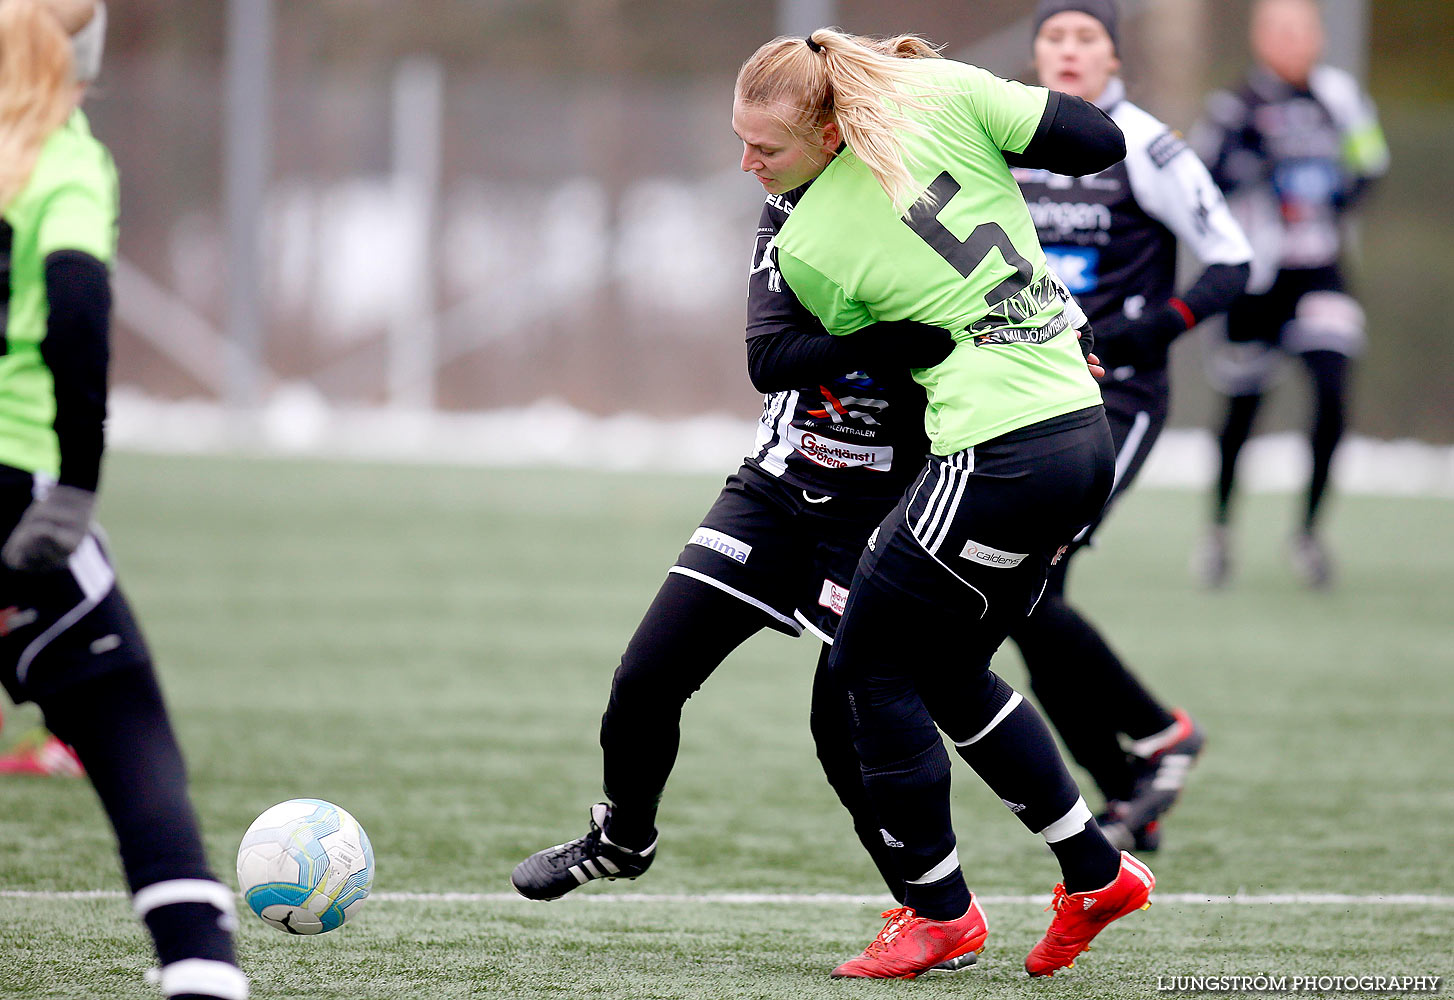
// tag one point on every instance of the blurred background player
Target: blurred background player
(1112, 238)
(1294, 147)
(70, 642)
(1021, 456)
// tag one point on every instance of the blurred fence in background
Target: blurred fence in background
(477, 205)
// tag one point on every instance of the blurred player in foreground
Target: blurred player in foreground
(1294, 147)
(69, 641)
(1112, 238)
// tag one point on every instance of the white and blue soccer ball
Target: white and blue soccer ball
(305, 866)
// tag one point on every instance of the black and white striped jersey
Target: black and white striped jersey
(1292, 159)
(858, 433)
(1112, 236)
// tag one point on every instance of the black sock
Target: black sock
(1330, 375)
(118, 726)
(1087, 693)
(831, 726)
(1241, 411)
(945, 899)
(688, 630)
(1015, 754)
(1087, 859)
(912, 797)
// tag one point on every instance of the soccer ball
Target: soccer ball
(305, 866)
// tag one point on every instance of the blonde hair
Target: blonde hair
(37, 89)
(857, 81)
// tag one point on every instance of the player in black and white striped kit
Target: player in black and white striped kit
(1112, 238)
(1295, 147)
(836, 447)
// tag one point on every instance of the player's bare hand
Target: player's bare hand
(1094, 364)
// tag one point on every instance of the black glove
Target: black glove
(903, 343)
(49, 530)
(1140, 343)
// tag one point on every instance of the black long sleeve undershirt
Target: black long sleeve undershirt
(1074, 138)
(790, 359)
(77, 350)
(1216, 289)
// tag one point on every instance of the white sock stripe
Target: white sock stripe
(1009, 707)
(1068, 825)
(205, 976)
(939, 871)
(182, 890)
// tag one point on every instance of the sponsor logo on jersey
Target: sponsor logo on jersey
(781, 203)
(1005, 323)
(764, 258)
(1165, 147)
(1076, 267)
(856, 408)
(834, 454)
(833, 597)
(1059, 220)
(13, 618)
(988, 555)
(733, 548)
(1023, 334)
(872, 539)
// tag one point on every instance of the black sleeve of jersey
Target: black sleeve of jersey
(791, 359)
(1074, 138)
(77, 350)
(1215, 289)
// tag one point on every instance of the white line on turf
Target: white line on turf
(829, 898)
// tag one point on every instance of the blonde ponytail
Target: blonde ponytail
(858, 82)
(37, 91)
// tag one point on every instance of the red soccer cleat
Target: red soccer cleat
(1081, 916)
(45, 756)
(909, 944)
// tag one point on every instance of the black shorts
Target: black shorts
(978, 531)
(1136, 409)
(63, 627)
(1265, 317)
(789, 553)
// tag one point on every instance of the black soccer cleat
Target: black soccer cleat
(952, 965)
(555, 871)
(1160, 777)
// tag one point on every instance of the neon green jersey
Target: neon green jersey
(69, 203)
(970, 263)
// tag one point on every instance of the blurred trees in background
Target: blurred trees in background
(592, 229)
